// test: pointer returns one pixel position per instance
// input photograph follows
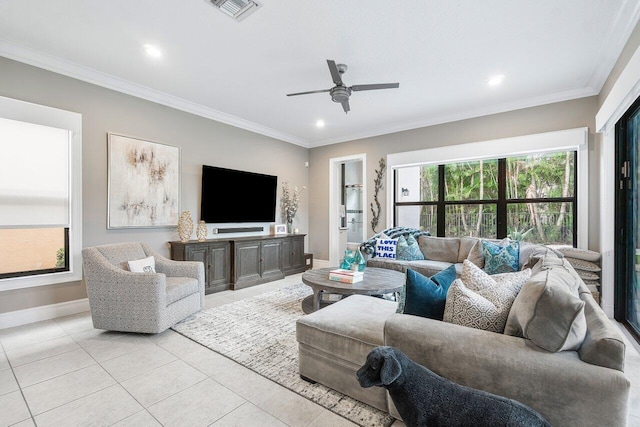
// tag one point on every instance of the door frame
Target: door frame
(334, 200)
(621, 257)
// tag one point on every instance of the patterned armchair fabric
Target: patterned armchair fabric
(140, 302)
(369, 247)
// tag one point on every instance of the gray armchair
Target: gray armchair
(140, 302)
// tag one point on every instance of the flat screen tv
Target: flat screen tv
(236, 196)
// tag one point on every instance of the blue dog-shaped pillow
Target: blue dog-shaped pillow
(426, 399)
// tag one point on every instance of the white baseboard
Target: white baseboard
(321, 263)
(45, 312)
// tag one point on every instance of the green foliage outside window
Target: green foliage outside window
(60, 258)
(536, 176)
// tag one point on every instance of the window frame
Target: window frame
(564, 140)
(501, 203)
(14, 109)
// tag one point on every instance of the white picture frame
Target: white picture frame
(279, 229)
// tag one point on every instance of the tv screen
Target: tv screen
(236, 196)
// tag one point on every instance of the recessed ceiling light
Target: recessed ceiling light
(320, 123)
(496, 80)
(152, 51)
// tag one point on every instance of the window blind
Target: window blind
(34, 175)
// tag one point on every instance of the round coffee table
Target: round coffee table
(376, 281)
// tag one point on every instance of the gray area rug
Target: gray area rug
(260, 334)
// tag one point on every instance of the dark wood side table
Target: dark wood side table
(376, 281)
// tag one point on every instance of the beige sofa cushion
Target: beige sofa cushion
(603, 345)
(349, 329)
(548, 311)
(440, 248)
(466, 244)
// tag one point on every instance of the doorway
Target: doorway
(347, 205)
(627, 249)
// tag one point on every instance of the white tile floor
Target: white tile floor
(63, 372)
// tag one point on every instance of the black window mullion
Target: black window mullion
(575, 199)
(395, 196)
(501, 208)
(440, 211)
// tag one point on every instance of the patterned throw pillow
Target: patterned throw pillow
(386, 248)
(482, 301)
(408, 249)
(501, 259)
(426, 296)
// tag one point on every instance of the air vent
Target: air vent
(237, 9)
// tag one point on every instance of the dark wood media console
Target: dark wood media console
(240, 262)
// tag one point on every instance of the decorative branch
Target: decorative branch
(377, 187)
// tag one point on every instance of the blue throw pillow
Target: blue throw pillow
(501, 259)
(426, 296)
(414, 249)
(408, 249)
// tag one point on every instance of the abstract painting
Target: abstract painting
(144, 183)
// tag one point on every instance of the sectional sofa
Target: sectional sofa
(584, 387)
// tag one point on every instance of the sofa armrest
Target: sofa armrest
(564, 389)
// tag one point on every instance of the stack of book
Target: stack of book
(346, 276)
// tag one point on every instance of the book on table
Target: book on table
(346, 276)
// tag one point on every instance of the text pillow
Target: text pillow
(386, 248)
(424, 296)
(501, 259)
(144, 265)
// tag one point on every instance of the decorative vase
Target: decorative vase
(359, 262)
(347, 260)
(201, 231)
(185, 226)
(289, 227)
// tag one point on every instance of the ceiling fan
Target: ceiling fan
(341, 93)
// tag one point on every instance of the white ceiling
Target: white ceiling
(442, 53)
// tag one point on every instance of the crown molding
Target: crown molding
(623, 25)
(61, 66)
(469, 114)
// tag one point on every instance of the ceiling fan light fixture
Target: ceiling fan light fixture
(237, 9)
(340, 94)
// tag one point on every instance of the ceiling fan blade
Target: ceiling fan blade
(345, 106)
(335, 74)
(356, 88)
(307, 93)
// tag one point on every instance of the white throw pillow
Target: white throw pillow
(468, 308)
(144, 265)
(386, 248)
(483, 301)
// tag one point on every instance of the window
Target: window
(40, 195)
(530, 198)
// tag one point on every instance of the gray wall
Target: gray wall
(552, 117)
(203, 141)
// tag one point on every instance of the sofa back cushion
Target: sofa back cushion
(548, 310)
(440, 248)
(119, 254)
(466, 244)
